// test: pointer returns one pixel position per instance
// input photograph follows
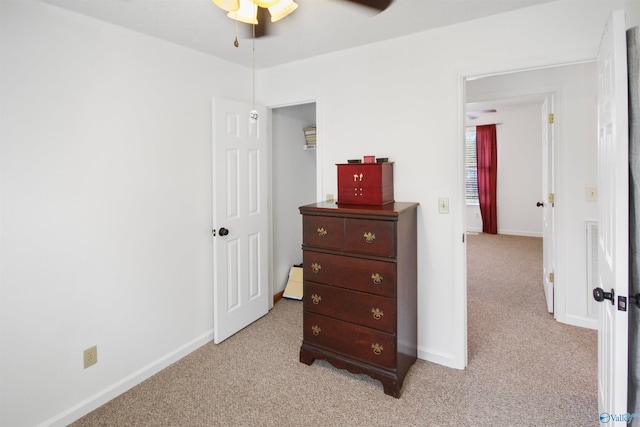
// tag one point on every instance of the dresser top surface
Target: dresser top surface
(365, 164)
(332, 208)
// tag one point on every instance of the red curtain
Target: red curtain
(487, 176)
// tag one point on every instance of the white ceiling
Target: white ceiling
(477, 111)
(316, 27)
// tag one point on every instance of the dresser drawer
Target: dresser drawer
(368, 310)
(358, 342)
(373, 237)
(354, 195)
(323, 231)
(376, 277)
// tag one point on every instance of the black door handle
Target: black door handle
(223, 231)
(600, 295)
(539, 204)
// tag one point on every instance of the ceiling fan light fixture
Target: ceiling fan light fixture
(248, 12)
(228, 5)
(282, 9)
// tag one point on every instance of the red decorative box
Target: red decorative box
(365, 183)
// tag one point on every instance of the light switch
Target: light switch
(591, 193)
(443, 205)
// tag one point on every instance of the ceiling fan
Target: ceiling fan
(471, 115)
(255, 11)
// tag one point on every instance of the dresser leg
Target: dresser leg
(306, 357)
(391, 388)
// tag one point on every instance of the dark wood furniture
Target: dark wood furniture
(365, 183)
(360, 298)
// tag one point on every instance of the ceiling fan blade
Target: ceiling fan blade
(490, 110)
(245, 31)
(264, 19)
(375, 4)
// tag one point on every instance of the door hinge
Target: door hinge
(552, 277)
(552, 199)
(551, 118)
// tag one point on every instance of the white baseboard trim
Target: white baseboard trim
(581, 321)
(521, 233)
(445, 359)
(83, 408)
(508, 232)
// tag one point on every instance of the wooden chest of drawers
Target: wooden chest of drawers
(365, 183)
(360, 298)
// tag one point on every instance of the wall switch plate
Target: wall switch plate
(90, 356)
(592, 193)
(443, 205)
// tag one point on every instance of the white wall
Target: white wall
(404, 98)
(575, 88)
(294, 184)
(632, 8)
(519, 170)
(106, 176)
(106, 208)
(519, 180)
(473, 219)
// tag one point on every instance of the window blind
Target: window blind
(471, 167)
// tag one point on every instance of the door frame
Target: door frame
(460, 222)
(319, 188)
(552, 97)
(548, 169)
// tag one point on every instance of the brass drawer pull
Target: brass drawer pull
(322, 232)
(377, 278)
(315, 267)
(315, 329)
(377, 313)
(377, 349)
(369, 237)
(315, 298)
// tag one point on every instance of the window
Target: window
(471, 167)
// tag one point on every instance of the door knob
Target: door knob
(223, 231)
(539, 204)
(600, 295)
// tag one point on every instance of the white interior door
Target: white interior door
(240, 217)
(547, 204)
(613, 222)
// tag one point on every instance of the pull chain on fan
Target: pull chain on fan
(253, 114)
(247, 11)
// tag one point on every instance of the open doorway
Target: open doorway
(520, 165)
(574, 87)
(293, 183)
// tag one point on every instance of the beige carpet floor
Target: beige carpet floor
(525, 369)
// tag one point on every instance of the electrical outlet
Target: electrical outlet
(443, 205)
(329, 197)
(90, 356)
